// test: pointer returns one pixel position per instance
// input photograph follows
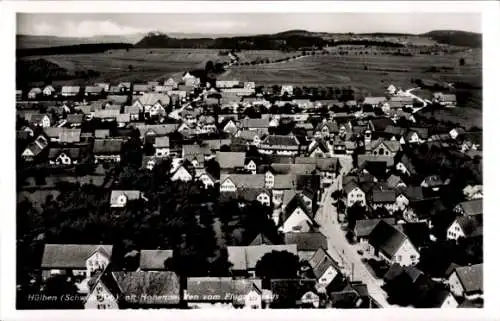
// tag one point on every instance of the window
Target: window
(457, 228)
(101, 306)
(398, 258)
(413, 256)
(381, 151)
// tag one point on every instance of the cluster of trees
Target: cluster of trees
(42, 70)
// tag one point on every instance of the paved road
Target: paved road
(340, 249)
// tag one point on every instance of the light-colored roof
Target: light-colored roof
(70, 255)
(154, 259)
(130, 195)
(245, 180)
(246, 257)
(230, 159)
(149, 99)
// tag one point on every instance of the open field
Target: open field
(467, 117)
(256, 55)
(365, 74)
(146, 64)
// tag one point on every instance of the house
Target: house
(292, 294)
(93, 91)
(42, 120)
(407, 195)
(319, 148)
(363, 228)
(119, 198)
(70, 91)
(69, 135)
(328, 168)
(448, 100)
(286, 89)
(181, 174)
(437, 297)
(171, 83)
(230, 161)
(434, 182)
(465, 227)
(133, 111)
(35, 148)
(65, 156)
(262, 196)
(252, 137)
(154, 260)
(152, 103)
(250, 166)
(34, 92)
(245, 258)
(104, 86)
(307, 243)
(134, 290)
(48, 90)
(326, 129)
(456, 132)
(190, 80)
(124, 86)
(467, 281)
(107, 114)
(74, 120)
(374, 101)
(254, 123)
(279, 145)
(234, 182)
(107, 149)
(354, 295)
(101, 133)
(229, 126)
(297, 217)
(261, 239)
(405, 166)
(140, 89)
(469, 208)
(79, 259)
(162, 146)
(324, 267)
(354, 194)
(206, 292)
(387, 159)
(207, 179)
(391, 245)
(384, 147)
(384, 198)
(149, 132)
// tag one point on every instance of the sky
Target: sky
(92, 24)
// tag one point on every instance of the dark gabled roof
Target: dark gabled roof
(141, 87)
(93, 89)
(246, 257)
(386, 238)
(418, 233)
(323, 164)
(261, 239)
(472, 207)
(422, 132)
(427, 207)
(71, 255)
(363, 228)
(363, 158)
(254, 123)
(407, 162)
(296, 201)
(394, 130)
(307, 181)
(107, 146)
(117, 99)
(395, 270)
(281, 140)
(74, 153)
(471, 225)
(375, 168)
(307, 241)
(321, 261)
(149, 288)
(154, 259)
(380, 124)
(383, 196)
(323, 146)
(471, 277)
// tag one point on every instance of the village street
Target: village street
(340, 249)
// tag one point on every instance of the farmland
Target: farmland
(467, 117)
(140, 64)
(370, 73)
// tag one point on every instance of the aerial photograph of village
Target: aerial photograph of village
(249, 161)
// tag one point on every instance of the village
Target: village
(316, 203)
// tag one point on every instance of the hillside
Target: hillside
(74, 49)
(30, 41)
(456, 38)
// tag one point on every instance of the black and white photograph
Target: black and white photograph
(248, 160)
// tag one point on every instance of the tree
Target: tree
(462, 62)
(65, 291)
(130, 67)
(131, 152)
(209, 67)
(278, 265)
(354, 213)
